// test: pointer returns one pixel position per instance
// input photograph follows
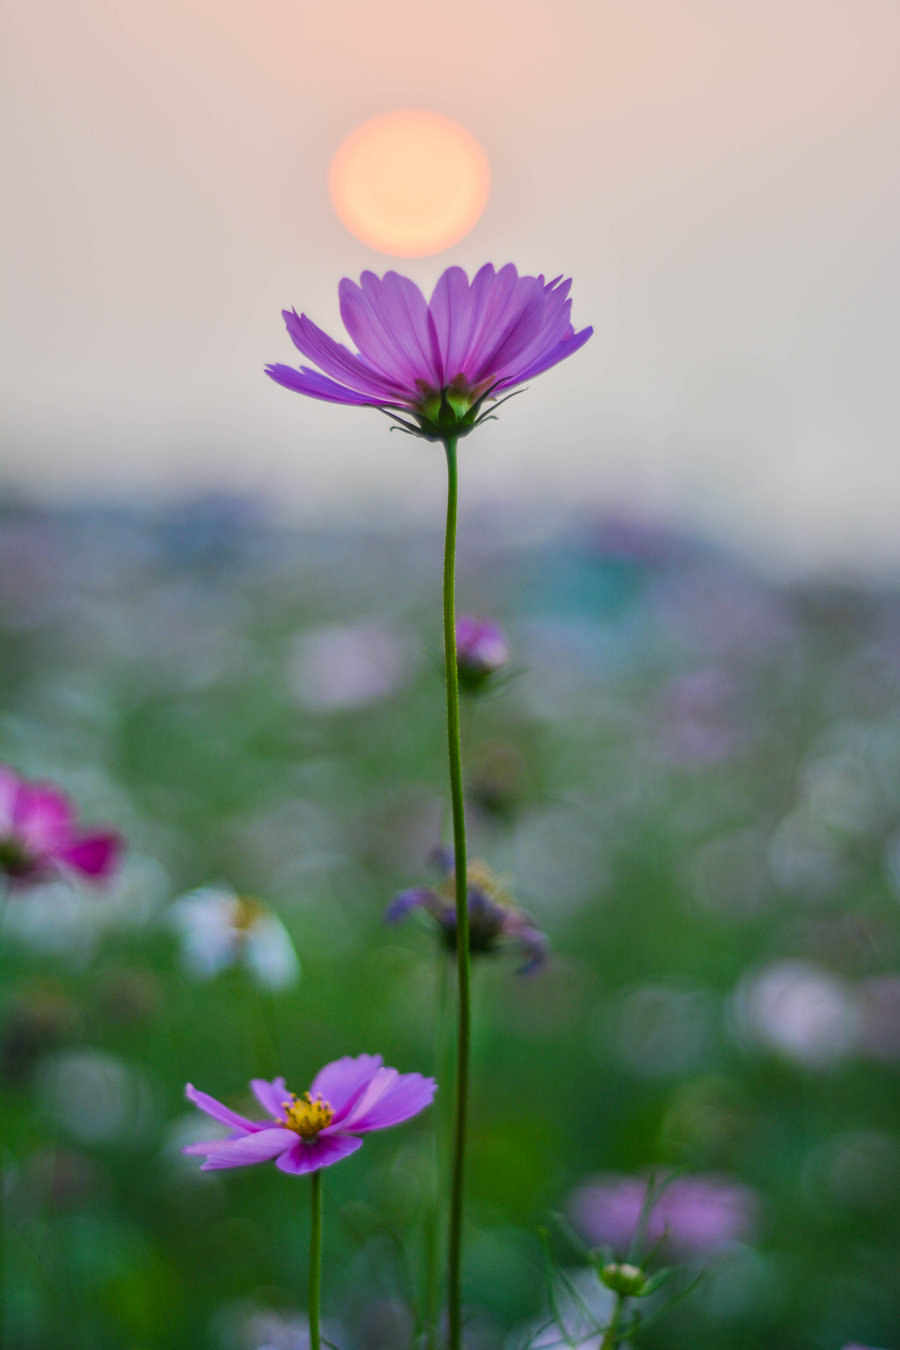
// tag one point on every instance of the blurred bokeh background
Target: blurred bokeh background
(219, 634)
(689, 777)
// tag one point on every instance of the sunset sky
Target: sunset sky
(719, 177)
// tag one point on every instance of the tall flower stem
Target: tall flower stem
(454, 1260)
(315, 1259)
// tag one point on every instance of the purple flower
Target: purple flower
(697, 1215)
(437, 360)
(494, 919)
(481, 651)
(39, 837)
(349, 1097)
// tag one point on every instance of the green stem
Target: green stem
(611, 1334)
(315, 1259)
(454, 1297)
(442, 1125)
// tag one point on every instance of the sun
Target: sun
(409, 182)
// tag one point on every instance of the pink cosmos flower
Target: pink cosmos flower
(437, 360)
(39, 836)
(347, 1098)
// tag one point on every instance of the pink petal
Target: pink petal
(553, 327)
(220, 1112)
(516, 322)
(377, 347)
(96, 855)
(271, 1095)
(417, 898)
(44, 818)
(322, 1152)
(550, 358)
(453, 312)
(373, 1091)
(335, 360)
(390, 1100)
(404, 309)
(211, 1145)
(490, 296)
(252, 1148)
(557, 286)
(389, 322)
(341, 1082)
(314, 385)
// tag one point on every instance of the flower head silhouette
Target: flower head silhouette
(348, 1098)
(437, 360)
(495, 921)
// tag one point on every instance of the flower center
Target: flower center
(305, 1116)
(453, 410)
(481, 878)
(246, 913)
(15, 859)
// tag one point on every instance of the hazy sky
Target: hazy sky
(720, 177)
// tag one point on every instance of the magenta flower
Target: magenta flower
(437, 360)
(481, 651)
(349, 1097)
(39, 837)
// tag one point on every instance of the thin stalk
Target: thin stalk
(454, 1259)
(315, 1259)
(442, 1133)
(611, 1335)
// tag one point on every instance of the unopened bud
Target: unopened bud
(621, 1278)
(481, 651)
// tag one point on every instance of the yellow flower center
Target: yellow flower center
(245, 913)
(305, 1116)
(480, 877)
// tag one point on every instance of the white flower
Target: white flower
(219, 928)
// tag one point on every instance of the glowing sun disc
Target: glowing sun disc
(409, 182)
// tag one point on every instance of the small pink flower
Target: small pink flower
(347, 1098)
(39, 837)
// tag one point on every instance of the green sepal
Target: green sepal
(450, 415)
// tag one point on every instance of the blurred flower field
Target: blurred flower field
(689, 778)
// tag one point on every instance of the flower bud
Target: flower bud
(626, 1280)
(481, 651)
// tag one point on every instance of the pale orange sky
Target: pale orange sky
(718, 176)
